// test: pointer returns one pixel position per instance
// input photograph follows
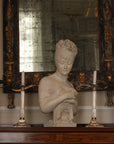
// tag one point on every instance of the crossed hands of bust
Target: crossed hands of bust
(70, 96)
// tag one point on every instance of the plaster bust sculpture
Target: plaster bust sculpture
(56, 93)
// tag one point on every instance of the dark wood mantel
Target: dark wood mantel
(56, 135)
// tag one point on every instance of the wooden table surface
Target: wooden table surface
(66, 135)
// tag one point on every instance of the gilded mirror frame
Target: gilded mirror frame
(82, 80)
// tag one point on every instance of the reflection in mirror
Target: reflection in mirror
(42, 23)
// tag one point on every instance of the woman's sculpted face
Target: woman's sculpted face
(65, 54)
(64, 62)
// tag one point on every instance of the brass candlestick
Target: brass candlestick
(93, 121)
(22, 122)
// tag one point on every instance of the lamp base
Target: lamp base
(94, 123)
(22, 123)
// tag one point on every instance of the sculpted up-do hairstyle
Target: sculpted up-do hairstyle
(66, 45)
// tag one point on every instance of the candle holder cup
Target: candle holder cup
(94, 123)
(22, 123)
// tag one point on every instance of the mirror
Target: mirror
(32, 28)
(42, 23)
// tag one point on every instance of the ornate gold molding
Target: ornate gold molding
(9, 72)
(26, 87)
(108, 52)
(82, 77)
(95, 8)
(11, 101)
(108, 36)
(108, 31)
(36, 78)
(9, 54)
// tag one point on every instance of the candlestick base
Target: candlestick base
(94, 123)
(22, 123)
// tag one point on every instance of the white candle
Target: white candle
(22, 103)
(94, 104)
(22, 94)
(94, 93)
(94, 77)
(23, 78)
